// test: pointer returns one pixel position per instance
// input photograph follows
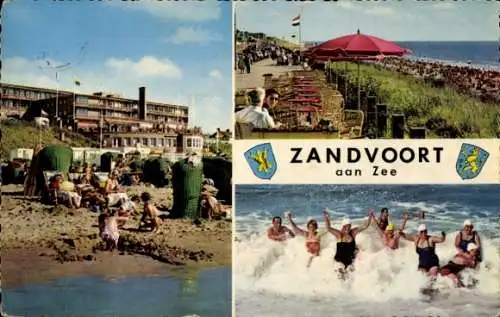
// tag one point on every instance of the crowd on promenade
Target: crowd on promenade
(480, 83)
(257, 52)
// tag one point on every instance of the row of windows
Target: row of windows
(27, 94)
(194, 143)
(152, 142)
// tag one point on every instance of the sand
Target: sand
(44, 242)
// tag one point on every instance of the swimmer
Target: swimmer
(467, 236)
(346, 239)
(461, 261)
(313, 243)
(383, 220)
(425, 246)
(391, 238)
(277, 232)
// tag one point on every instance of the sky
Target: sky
(407, 20)
(180, 51)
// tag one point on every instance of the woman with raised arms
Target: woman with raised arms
(313, 237)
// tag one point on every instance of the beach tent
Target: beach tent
(52, 158)
(187, 180)
(220, 171)
(155, 171)
(107, 159)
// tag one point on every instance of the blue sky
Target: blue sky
(176, 49)
(407, 20)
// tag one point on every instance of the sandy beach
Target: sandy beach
(44, 242)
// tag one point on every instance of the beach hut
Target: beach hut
(220, 171)
(187, 178)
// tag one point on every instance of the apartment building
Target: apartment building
(16, 98)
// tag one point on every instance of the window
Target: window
(189, 142)
(161, 142)
(145, 142)
(153, 142)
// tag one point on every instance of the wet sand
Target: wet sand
(44, 242)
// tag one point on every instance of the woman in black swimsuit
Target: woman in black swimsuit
(346, 239)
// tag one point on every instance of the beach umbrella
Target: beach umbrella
(357, 47)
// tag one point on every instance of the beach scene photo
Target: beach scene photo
(116, 161)
(367, 250)
(351, 70)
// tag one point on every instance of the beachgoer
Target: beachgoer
(467, 236)
(108, 229)
(127, 208)
(271, 99)
(383, 220)
(278, 232)
(346, 239)
(461, 261)
(389, 237)
(425, 246)
(313, 237)
(112, 185)
(150, 216)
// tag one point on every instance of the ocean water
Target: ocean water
(478, 53)
(272, 280)
(206, 295)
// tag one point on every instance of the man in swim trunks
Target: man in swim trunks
(346, 239)
(467, 236)
(383, 220)
(391, 238)
(313, 237)
(425, 246)
(277, 232)
(461, 261)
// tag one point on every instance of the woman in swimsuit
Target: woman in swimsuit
(346, 239)
(313, 238)
(389, 237)
(383, 220)
(467, 236)
(460, 262)
(425, 246)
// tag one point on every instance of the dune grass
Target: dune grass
(438, 109)
(20, 135)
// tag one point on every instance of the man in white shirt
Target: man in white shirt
(255, 114)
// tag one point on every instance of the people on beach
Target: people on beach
(389, 236)
(425, 246)
(278, 232)
(313, 237)
(127, 208)
(150, 216)
(346, 239)
(468, 236)
(255, 114)
(461, 261)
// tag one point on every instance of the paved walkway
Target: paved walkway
(255, 78)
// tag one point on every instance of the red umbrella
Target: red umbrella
(359, 44)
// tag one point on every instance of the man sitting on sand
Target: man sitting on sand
(255, 113)
(461, 261)
(150, 216)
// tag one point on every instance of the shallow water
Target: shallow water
(271, 279)
(208, 294)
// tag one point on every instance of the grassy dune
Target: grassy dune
(438, 109)
(20, 135)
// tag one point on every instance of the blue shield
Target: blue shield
(470, 161)
(261, 160)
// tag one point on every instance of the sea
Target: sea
(476, 54)
(206, 295)
(484, 55)
(272, 279)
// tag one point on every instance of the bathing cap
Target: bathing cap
(467, 223)
(471, 246)
(346, 222)
(422, 227)
(390, 227)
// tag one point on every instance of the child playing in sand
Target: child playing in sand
(150, 216)
(127, 208)
(108, 229)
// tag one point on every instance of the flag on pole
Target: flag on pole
(296, 21)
